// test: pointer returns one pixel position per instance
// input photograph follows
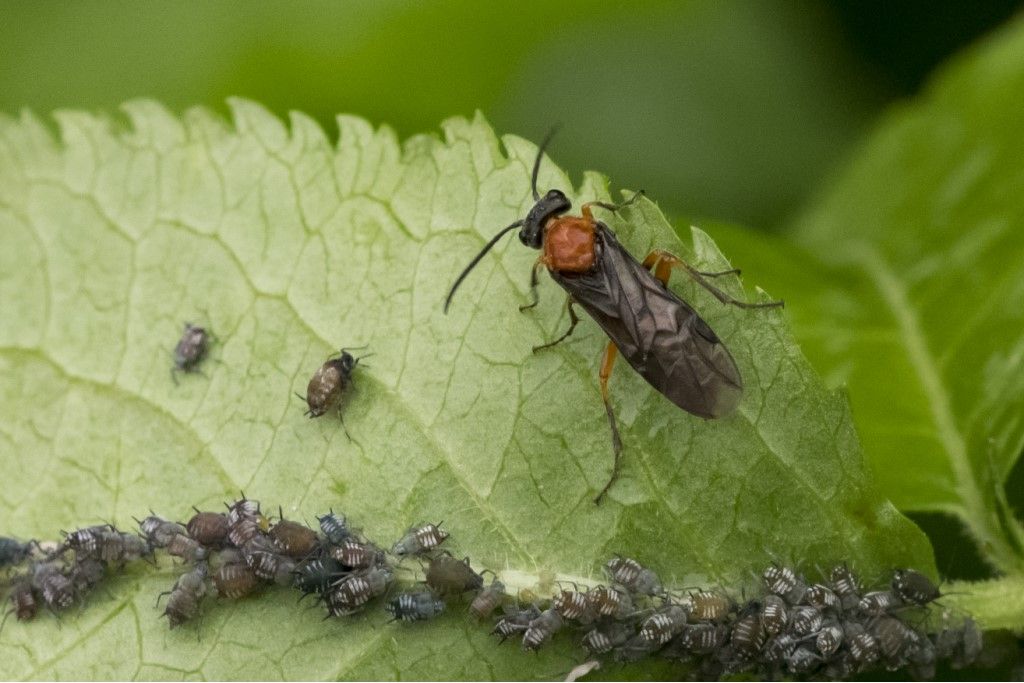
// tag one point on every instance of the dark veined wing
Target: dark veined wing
(658, 333)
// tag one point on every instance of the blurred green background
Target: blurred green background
(735, 110)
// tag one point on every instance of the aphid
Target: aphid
(913, 587)
(708, 606)
(842, 667)
(805, 620)
(821, 596)
(415, 606)
(610, 602)
(895, 639)
(448, 576)
(862, 645)
(187, 548)
(658, 333)
(877, 603)
(829, 638)
(635, 649)
(243, 508)
(188, 591)
(23, 600)
(703, 639)
(541, 629)
(116, 547)
(803, 659)
(785, 583)
(244, 530)
(13, 552)
(774, 614)
(316, 574)
(488, 599)
(778, 649)
(574, 605)
(633, 576)
(334, 528)
(921, 659)
(263, 557)
(329, 383)
(86, 541)
(664, 624)
(747, 635)
(191, 349)
(235, 581)
(356, 555)
(85, 574)
(607, 636)
(846, 586)
(420, 539)
(55, 588)
(350, 594)
(970, 645)
(295, 540)
(515, 621)
(208, 528)
(158, 531)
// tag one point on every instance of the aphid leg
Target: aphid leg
(607, 363)
(663, 262)
(573, 320)
(534, 282)
(343, 427)
(174, 376)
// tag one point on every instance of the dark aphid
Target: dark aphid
(709, 606)
(316, 574)
(574, 605)
(610, 602)
(658, 333)
(158, 531)
(295, 540)
(635, 649)
(187, 548)
(877, 603)
(895, 639)
(846, 585)
(420, 539)
(829, 638)
(913, 587)
(119, 548)
(191, 350)
(541, 629)
(85, 574)
(356, 555)
(23, 600)
(921, 660)
(515, 621)
(188, 592)
(842, 667)
(805, 620)
(664, 624)
(329, 382)
(821, 596)
(784, 582)
(415, 606)
(803, 659)
(774, 614)
(607, 636)
(449, 576)
(633, 576)
(778, 649)
(86, 541)
(13, 552)
(208, 528)
(264, 558)
(970, 647)
(488, 599)
(351, 593)
(55, 588)
(334, 528)
(703, 639)
(862, 645)
(235, 581)
(747, 635)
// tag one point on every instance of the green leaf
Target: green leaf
(917, 303)
(289, 248)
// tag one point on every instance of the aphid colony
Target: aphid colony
(832, 629)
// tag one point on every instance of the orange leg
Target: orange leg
(611, 352)
(663, 262)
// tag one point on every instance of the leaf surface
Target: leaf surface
(288, 248)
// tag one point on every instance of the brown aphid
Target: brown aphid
(747, 635)
(574, 605)
(295, 540)
(187, 548)
(703, 639)
(356, 555)
(610, 602)
(23, 600)
(709, 606)
(488, 599)
(208, 528)
(235, 581)
(191, 350)
(189, 589)
(632, 575)
(119, 548)
(774, 614)
(448, 576)
(805, 620)
(784, 582)
(664, 624)
(821, 596)
(329, 383)
(420, 539)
